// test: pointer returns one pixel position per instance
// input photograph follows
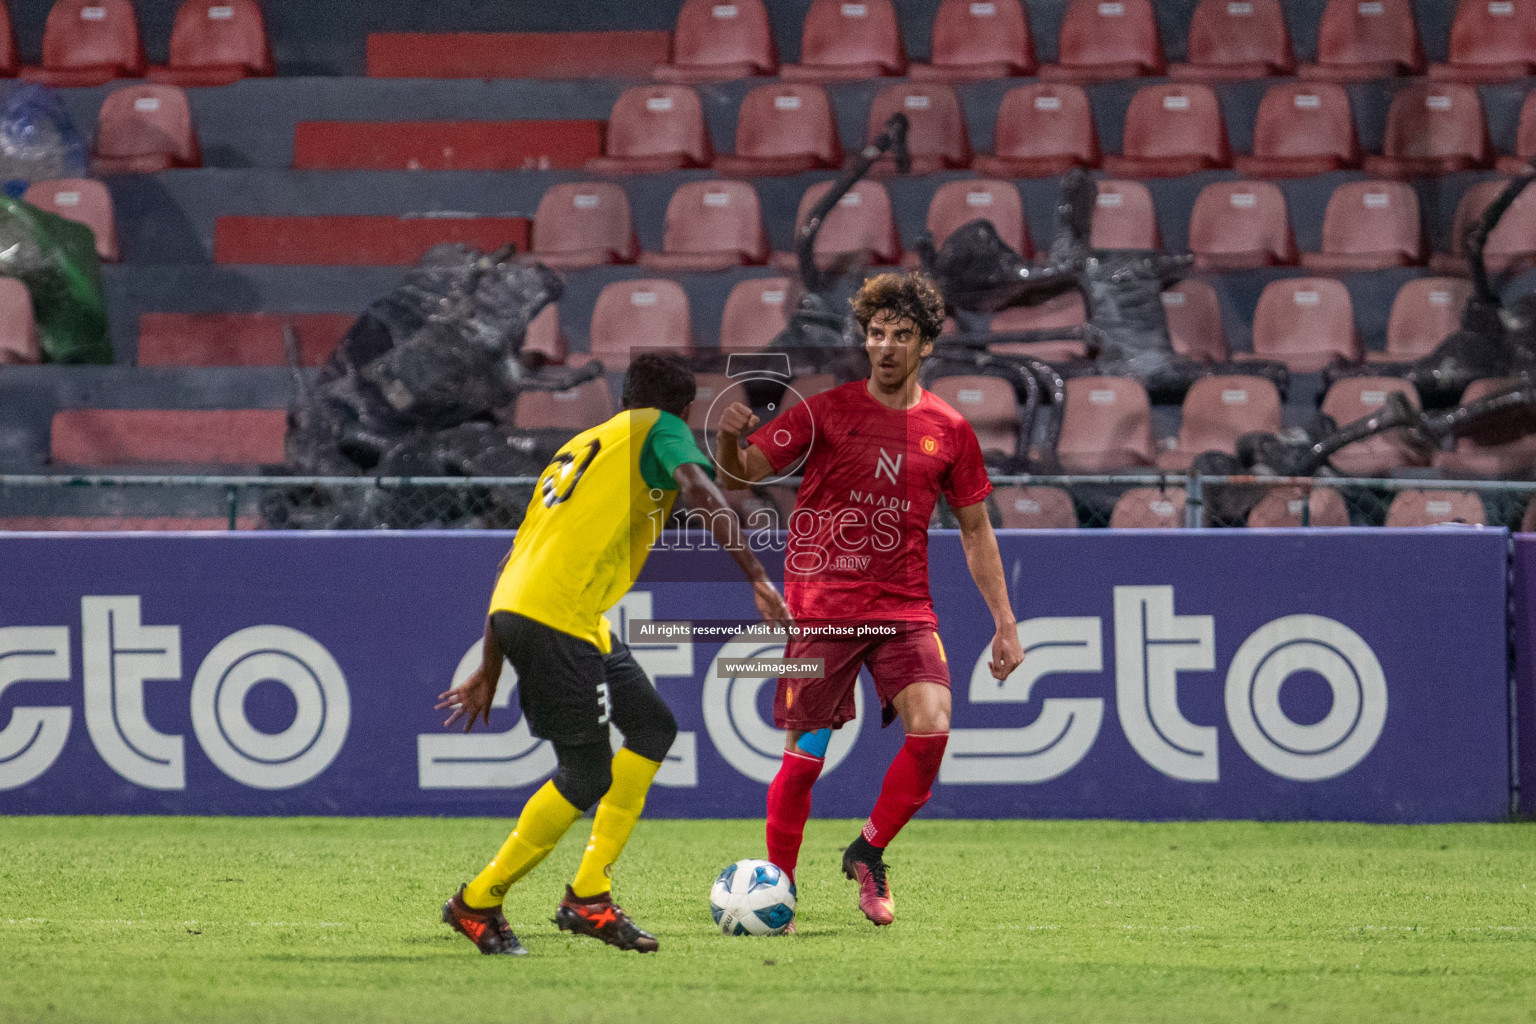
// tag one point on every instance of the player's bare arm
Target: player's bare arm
(473, 697)
(986, 565)
(741, 468)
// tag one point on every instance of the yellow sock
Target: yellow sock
(545, 818)
(616, 815)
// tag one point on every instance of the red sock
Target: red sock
(789, 805)
(907, 785)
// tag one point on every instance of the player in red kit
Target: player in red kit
(877, 454)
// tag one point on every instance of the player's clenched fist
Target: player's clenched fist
(738, 419)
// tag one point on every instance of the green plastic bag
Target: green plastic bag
(56, 259)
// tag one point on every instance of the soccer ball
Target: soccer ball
(752, 897)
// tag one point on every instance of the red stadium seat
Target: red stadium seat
(1433, 128)
(783, 129)
(145, 128)
(9, 62)
(238, 339)
(1291, 507)
(216, 42)
(804, 386)
(1194, 321)
(1149, 508)
(1042, 130)
(544, 338)
(1369, 225)
(631, 317)
(1491, 41)
(1511, 244)
(709, 386)
(860, 228)
(845, 42)
(1302, 129)
(1102, 41)
(711, 225)
(1308, 323)
(978, 40)
(1430, 508)
(583, 224)
(1236, 41)
(1424, 312)
(1106, 425)
(1525, 140)
(121, 437)
(1240, 225)
(1361, 40)
(1035, 508)
(1219, 410)
(654, 128)
(83, 200)
(1171, 130)
(755, 312)
(585, 405)
(717, 42)
(1353, 398)
(957, 203)
(936, 135)
(89, 42)
(1469, 458)
(18, 327)
(989, 405)
(1065, 310)
(1123, 217)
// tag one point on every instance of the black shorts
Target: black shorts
(568, 689)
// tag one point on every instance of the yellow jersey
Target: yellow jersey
(598, 509)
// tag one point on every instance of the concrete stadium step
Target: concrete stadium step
(445, 145)
(356, 241)
(237, 339)
(609, 54)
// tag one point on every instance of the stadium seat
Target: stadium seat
(1193, 312)
(1149, 508)
(1491, 41)
(583, 224)
(1106, 424)
(1308, 323)
(1240, 225)
(846, 42)
(544, 337)
(1171, 130)
(1424, 312)
(1433, 128)
(1369, 225)
(1302, 129)
(709, 386)
(859, 228)
(122, 437)
(1470, 459)
(18, 328)
(1525, 140)
(1065, 310)
(1101, 42)
(1219, 410)
(1236, 41)
(1291, 507)
(936, 136)
(978, 41)
(216, 42)
(1123, 217)
(718, 42)
(83, 200)
(1042, 130)
(783, 129)
(238, 339)
(585, 405)
(755, 312)
(9, 63)
(145, 128)
(1353, 398)
(957, 203)
(989, 405)
(804, 386)
(1429, 508)
(711, 225)
(647, 315)
(1511, 244)
(654, 128)
(1035, 508)
(89, 42)
(1362, 40)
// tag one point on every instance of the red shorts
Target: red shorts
(914, 655)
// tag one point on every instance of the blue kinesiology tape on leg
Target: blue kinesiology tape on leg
(815, 743)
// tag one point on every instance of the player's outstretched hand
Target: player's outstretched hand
(771, 606)
(737, 419)
(1007, 655)
(472, 697)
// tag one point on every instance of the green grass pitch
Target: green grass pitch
(275, 920)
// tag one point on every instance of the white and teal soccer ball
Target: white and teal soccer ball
(752, 897)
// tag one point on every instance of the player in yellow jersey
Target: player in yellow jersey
(598, 510)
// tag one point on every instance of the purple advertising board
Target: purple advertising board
(1523, 636)
(1339, 674)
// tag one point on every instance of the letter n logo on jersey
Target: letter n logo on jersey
(888, 467)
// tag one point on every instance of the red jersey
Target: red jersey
(858, 537)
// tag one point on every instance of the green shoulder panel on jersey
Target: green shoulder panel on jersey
(670, 444)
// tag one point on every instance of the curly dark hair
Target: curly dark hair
(659, 382)
(912, 296)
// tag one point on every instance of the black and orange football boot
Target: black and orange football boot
(601, 918)
(487, 928)
(864, 864)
